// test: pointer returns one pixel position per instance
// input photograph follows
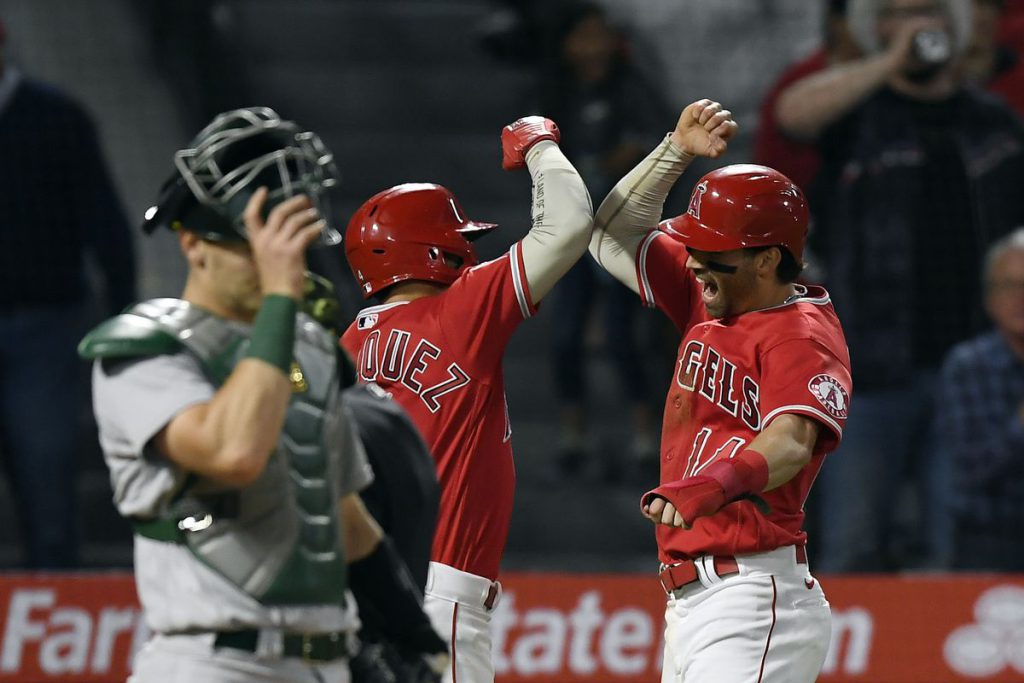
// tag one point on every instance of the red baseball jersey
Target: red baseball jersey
(735, 375)
(440, 358)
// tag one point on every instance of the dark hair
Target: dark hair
(788, 269)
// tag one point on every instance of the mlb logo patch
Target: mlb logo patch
(830, 394)
(367, 321)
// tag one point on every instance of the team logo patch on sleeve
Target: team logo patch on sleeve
(831, 394)
(367, 321)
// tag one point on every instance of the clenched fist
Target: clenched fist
(520, 136)
(704, 129)
(680, 503)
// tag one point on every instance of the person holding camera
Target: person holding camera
(920, 173)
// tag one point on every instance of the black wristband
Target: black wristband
(273, 331)
(382, 580)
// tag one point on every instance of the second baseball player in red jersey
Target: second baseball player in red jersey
(436, 344)
(759, 396)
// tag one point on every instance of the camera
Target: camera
(933, 47)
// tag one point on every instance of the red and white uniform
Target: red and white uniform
(733, 376)
(440, 358)
(752, 611)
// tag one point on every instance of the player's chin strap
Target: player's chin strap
(388, 598)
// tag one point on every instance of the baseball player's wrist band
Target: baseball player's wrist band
(743, 474)
(273, 331)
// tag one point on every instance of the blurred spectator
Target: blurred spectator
(58, 207)
(726, 50)
(794, 158)
(992, 60)
(981, 424)
(609, 117)
(919, 174)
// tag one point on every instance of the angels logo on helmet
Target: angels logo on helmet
(698, 194)
(830, 394)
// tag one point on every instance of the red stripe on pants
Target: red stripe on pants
(775, 595)
(455, 622)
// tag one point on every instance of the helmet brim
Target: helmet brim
(700, 236)
(473, 230)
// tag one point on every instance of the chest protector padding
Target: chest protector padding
(278, 539)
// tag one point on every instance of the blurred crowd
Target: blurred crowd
(903, 126)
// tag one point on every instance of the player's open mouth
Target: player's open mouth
(710, 290)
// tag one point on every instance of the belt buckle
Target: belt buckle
(309, 643)
(307, 647)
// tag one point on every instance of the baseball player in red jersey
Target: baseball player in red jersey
(759, 397)
(436, 345)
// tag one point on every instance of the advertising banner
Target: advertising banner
(573, 628)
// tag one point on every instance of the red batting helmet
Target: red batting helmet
(404, 233)
(743, 205)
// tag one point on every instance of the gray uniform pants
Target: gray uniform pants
(192, 658)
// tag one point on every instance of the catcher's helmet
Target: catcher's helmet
(239, 151)
(743, 205)
(406, 233)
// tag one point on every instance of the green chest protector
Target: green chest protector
(279, 538)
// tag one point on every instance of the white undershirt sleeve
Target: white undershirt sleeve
(562, 219)
(633, 208)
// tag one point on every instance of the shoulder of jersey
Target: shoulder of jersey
(368, 318)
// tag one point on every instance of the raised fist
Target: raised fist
(704, 129)
(520, 136)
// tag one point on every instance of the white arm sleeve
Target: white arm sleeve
(562, 219)
(632, 209)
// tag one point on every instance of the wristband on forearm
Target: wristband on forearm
(273, 331)
(747, 473)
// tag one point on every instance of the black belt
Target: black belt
(312, 647)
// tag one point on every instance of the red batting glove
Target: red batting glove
(692, 497)
(518, 137)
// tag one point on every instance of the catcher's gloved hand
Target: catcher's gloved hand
(425, 654)
(521, 135)
(371, 665)
(427, 669)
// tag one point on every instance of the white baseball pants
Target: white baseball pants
(458, 606)
(193, 658)
(770, 623)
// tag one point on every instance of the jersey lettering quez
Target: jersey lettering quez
(440, 358)
(733, 377)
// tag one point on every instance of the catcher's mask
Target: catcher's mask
(239, 151)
